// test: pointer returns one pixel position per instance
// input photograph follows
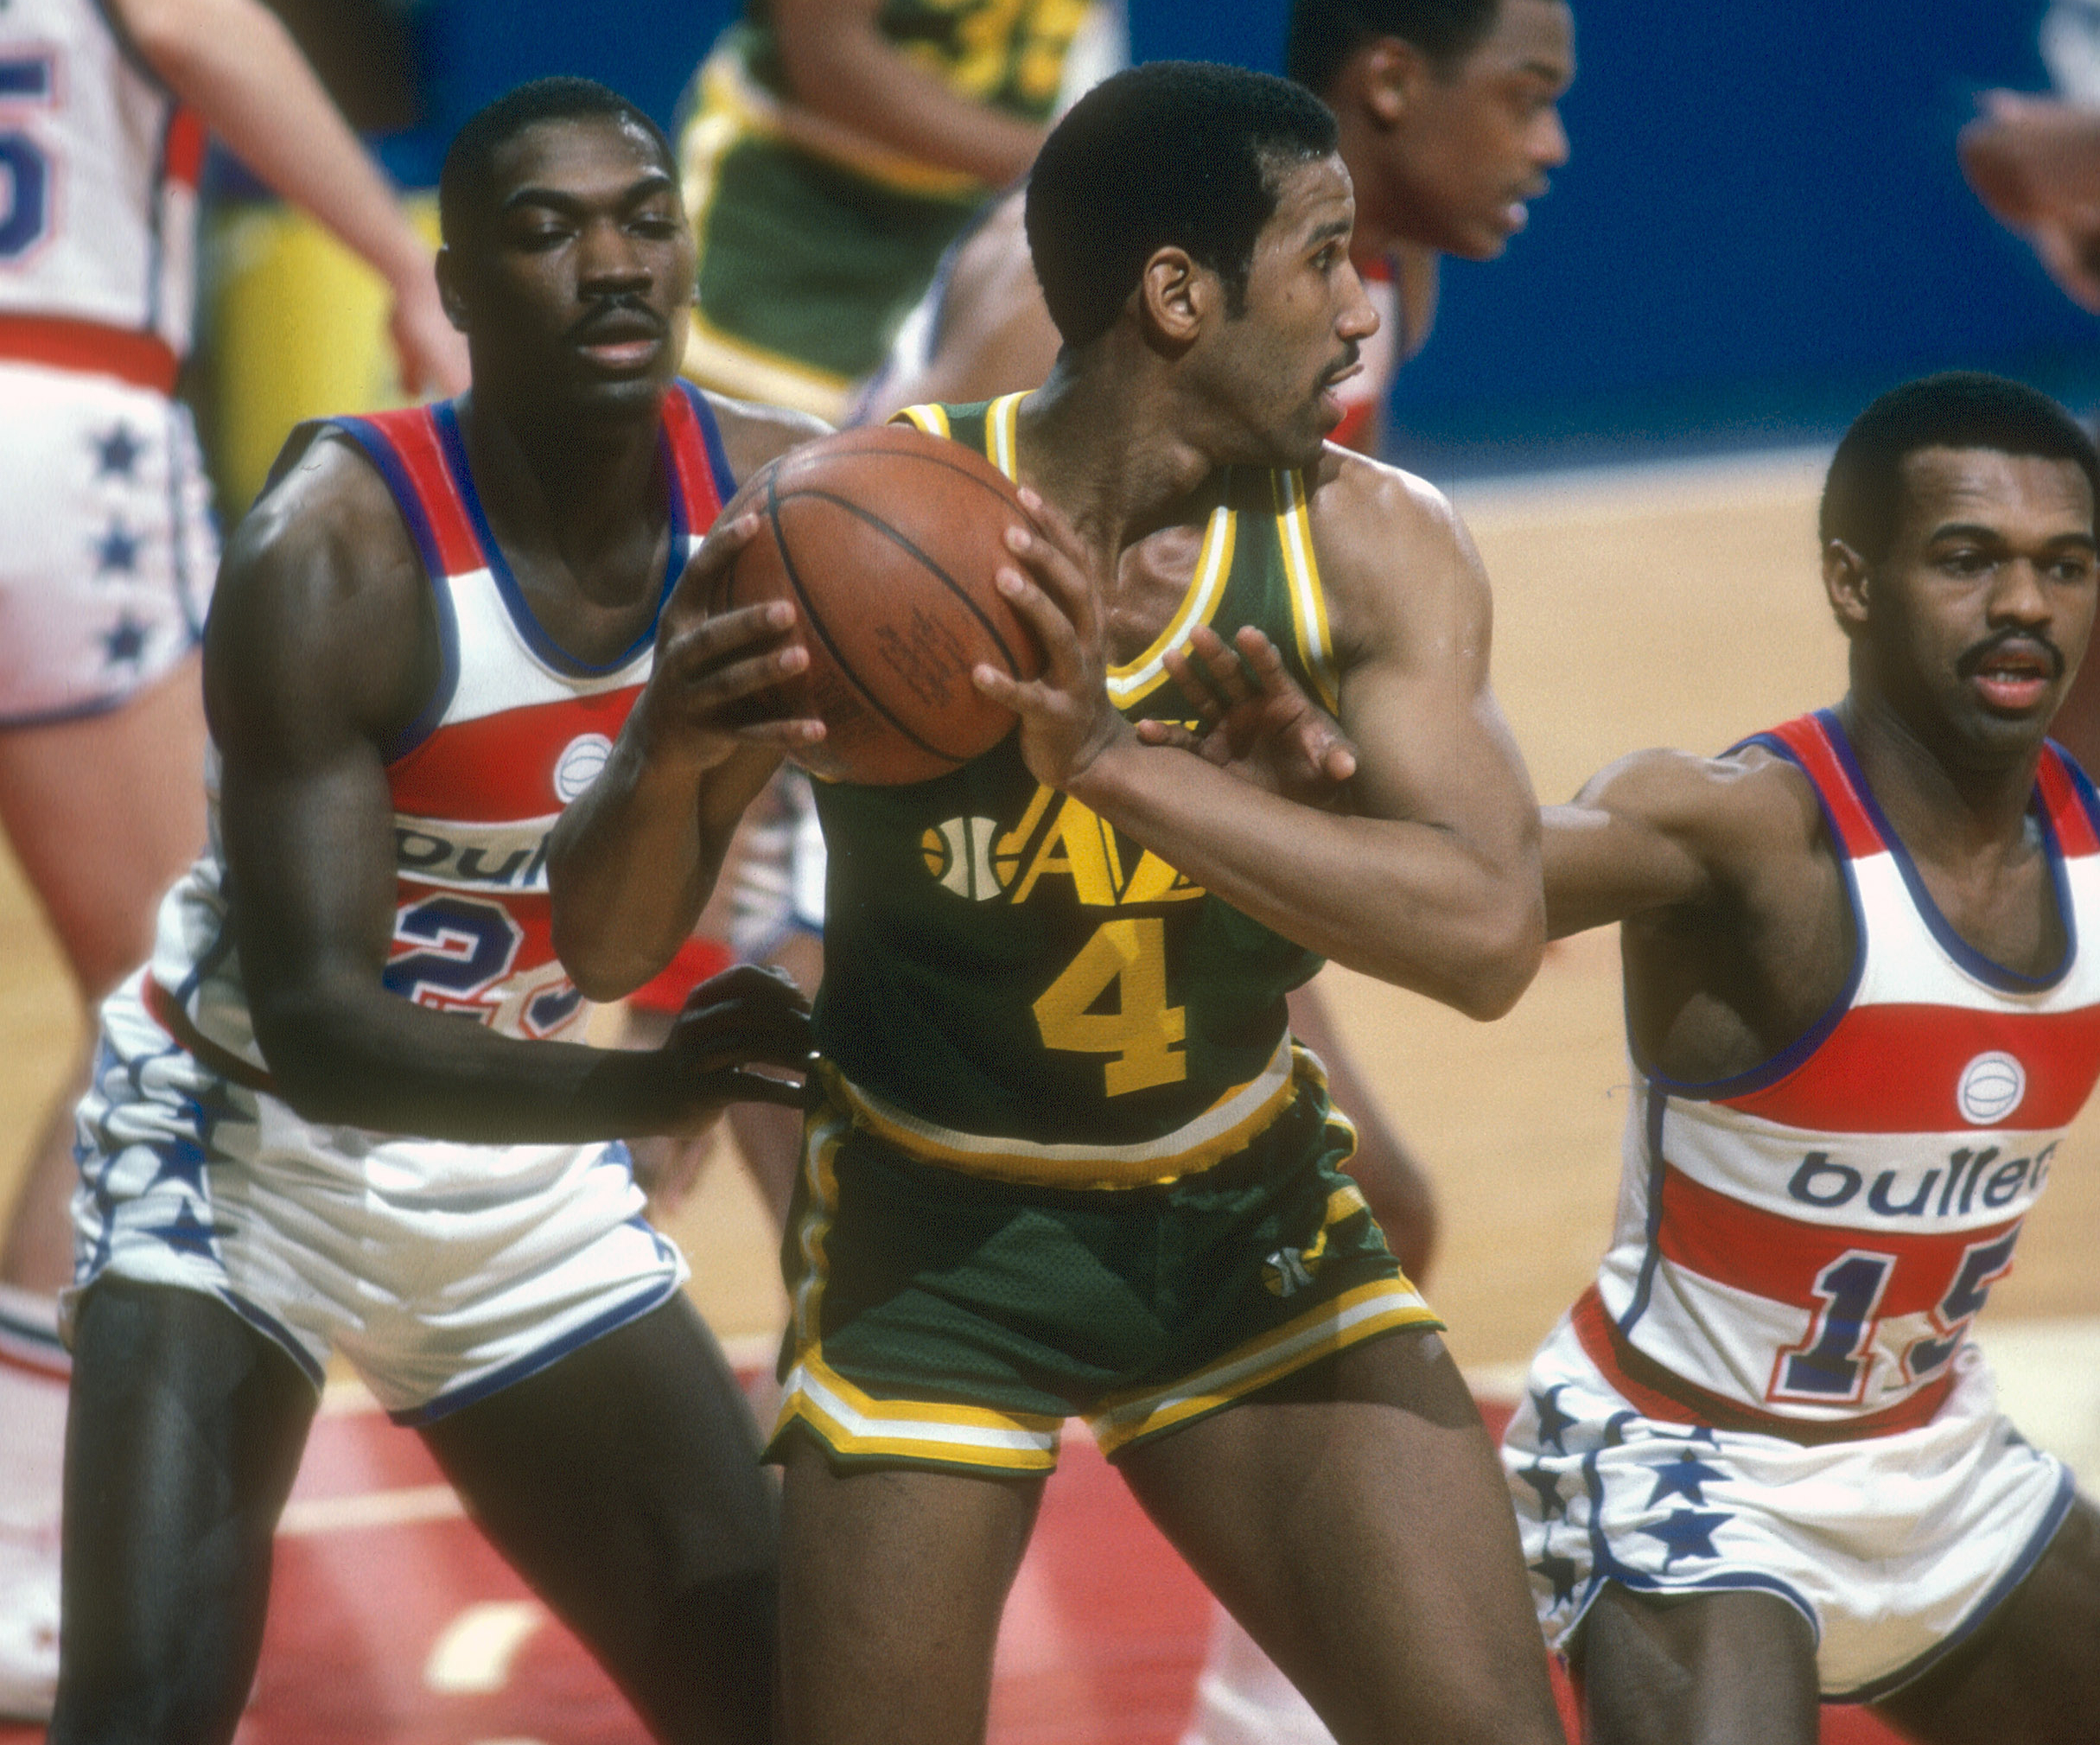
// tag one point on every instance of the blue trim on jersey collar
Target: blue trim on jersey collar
(710, 437)
(550, 652)
(378, 449)
(1985, 969)
(1792, 1056)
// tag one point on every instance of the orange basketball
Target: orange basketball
(887, 541)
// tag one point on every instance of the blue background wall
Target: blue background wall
(1763, 222)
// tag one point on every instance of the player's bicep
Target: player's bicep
(1434, 747)
(1640, 837)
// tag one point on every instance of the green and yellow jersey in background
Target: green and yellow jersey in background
(809, 260)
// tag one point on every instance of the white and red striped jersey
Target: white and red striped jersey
(99, 168)
(515, 729)
(1800, 1248)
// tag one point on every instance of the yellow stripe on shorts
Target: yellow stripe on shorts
(1334, 1326)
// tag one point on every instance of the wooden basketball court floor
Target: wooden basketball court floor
(1672, 606)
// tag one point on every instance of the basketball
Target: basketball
(886, 540)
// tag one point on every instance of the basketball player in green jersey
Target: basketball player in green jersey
(1065, 1162)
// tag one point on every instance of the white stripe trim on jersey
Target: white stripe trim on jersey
(1228, 1125)
(1309, 606)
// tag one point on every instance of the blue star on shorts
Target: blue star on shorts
(1684, 1477)
(1688, 1533)
(125, 644)
(117, 551)
(116, 454)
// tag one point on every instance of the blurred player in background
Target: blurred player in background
(835, 149)
(107, 553)
(1759, 1463)
(340, 1111)
(1450, 127)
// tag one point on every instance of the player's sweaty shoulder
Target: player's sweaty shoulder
(322, 579)
(1745, 812)
(1397, 564)
(752, 434)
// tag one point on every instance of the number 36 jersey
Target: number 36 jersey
(1803, 1248)
(515, 729)
(1012, 987)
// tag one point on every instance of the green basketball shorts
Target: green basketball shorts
(950, 1319)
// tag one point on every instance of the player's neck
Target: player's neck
(548, 479)
(1946, 805)
(1099, 441)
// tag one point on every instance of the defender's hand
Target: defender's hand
(1067, 719)
(745, 1017)
(705, 698)
(1257, 721)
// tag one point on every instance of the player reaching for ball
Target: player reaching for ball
(1760, 1460)
(1066, 1160)
(424, 635)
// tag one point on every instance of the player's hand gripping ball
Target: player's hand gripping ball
(886, 540)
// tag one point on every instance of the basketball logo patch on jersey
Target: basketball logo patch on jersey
(958, 854)
(1990, 1088)
(579, 764)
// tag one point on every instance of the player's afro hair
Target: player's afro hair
(463, 184)
(1172, 154)
(1323, 33)
(1962, 409)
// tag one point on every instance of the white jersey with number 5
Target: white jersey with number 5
(99, 168)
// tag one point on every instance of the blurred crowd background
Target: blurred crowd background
(1763, 223)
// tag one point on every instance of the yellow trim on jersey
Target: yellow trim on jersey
(1348, 1320)
(1309, 602)
(736, 367)
(852, 1422)
(932, 419)
(1227, 1127)
(1133, 683)
(1002, 434)
(734, 107)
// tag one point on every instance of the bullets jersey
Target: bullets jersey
(1001, 965)
(515, 729)
(1804, 1246)
(99, 168)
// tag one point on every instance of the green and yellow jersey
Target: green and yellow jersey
(809, 257)
(1016, 988)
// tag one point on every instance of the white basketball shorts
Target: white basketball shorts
(440, 1271)
(1894, 1548)
(107, 548)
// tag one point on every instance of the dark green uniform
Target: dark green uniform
(809, 262)
(1059, 1080)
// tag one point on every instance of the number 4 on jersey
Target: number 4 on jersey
(1142, 1031)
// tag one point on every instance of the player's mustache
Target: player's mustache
(1343, 364)
(1972, 659)
(624, 314)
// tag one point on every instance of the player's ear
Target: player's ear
(1383, 78)
(449, 293)
(1173, 295)
(1845, 579)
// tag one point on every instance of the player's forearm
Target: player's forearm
(1457, 918)
(234, 63)
(845, 72)
(633, 862)
(365, 1057)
